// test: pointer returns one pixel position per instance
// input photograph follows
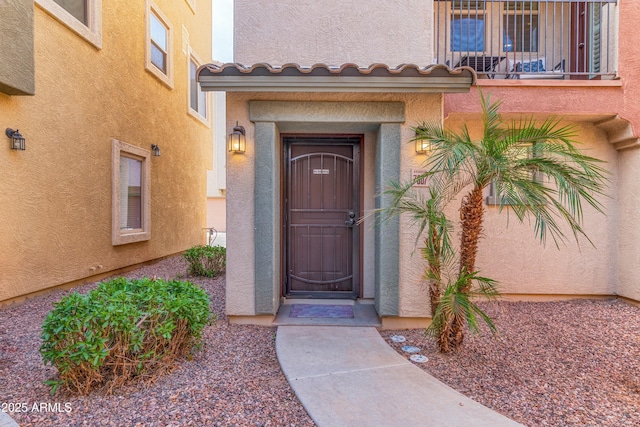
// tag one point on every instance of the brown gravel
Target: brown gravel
(573, 363)
(234, 381)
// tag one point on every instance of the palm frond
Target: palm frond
(456, 305)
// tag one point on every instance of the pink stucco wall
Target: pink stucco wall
(590, 102)
(287, 33)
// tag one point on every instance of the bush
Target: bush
(123, 329)
(207, 261)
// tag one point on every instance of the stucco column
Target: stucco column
(387, 232)
(267, 218)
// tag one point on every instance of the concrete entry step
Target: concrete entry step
(326, 314)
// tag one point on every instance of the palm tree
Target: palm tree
(428, 215)
(537, 172)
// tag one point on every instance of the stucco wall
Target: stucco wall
(591, 101)
(56, 195)
(628, 161)
(334, 32)
(511, 253)
(240, 201)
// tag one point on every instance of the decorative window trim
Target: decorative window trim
(92, 32)
(120, 237)
(204, 119)
(166, 78)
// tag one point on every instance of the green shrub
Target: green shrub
(123, 329)
(207, 261)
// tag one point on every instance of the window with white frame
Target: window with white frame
(520, 23)
(198, 100)
(84, 17)
(159, 38)
(131, 186)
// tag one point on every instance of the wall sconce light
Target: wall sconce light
(423, 146)
(156, 150)
(17, 140)
(237, 140)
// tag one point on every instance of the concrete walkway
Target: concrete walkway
(349, 376)
(7, 421)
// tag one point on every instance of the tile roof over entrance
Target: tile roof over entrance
(233, 77)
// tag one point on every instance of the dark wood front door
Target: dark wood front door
(322, 206)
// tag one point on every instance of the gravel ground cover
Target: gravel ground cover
(572, 363)
(234, 381)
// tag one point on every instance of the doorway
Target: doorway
(321, 210)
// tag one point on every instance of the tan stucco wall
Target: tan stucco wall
(590, 101)
(628, 284)
(334, 32)
(338, 32)
(240, 203)
(511, 252)
(56, 195)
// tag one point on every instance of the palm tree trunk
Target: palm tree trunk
(435, 267)
(471, 213)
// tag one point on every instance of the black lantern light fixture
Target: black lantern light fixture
(17, 140)
(237, 141)
(156, 150)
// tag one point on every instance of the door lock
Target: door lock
(352, 219)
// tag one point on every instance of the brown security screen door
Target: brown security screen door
(322, 206)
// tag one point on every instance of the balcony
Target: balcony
(526, 39)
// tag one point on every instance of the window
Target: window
(159, 59)
(77, 8)
(159, 36)
(84, 17)
(520, 23)
(524, 151)
(130, 194)
(198, 100)
(467, 26)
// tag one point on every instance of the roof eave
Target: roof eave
(408, 78)
(335, 84)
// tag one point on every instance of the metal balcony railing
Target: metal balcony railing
(527, 39)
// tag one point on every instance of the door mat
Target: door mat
(322, 311)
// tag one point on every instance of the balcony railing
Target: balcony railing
(525, 39)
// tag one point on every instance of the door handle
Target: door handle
(352, 219)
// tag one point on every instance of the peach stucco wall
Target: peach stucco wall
(334, 32)
(590, 102)
(240, 201)
(511, 252)
(55, 197)
(395, 32)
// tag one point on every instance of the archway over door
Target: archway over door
(272, 118)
